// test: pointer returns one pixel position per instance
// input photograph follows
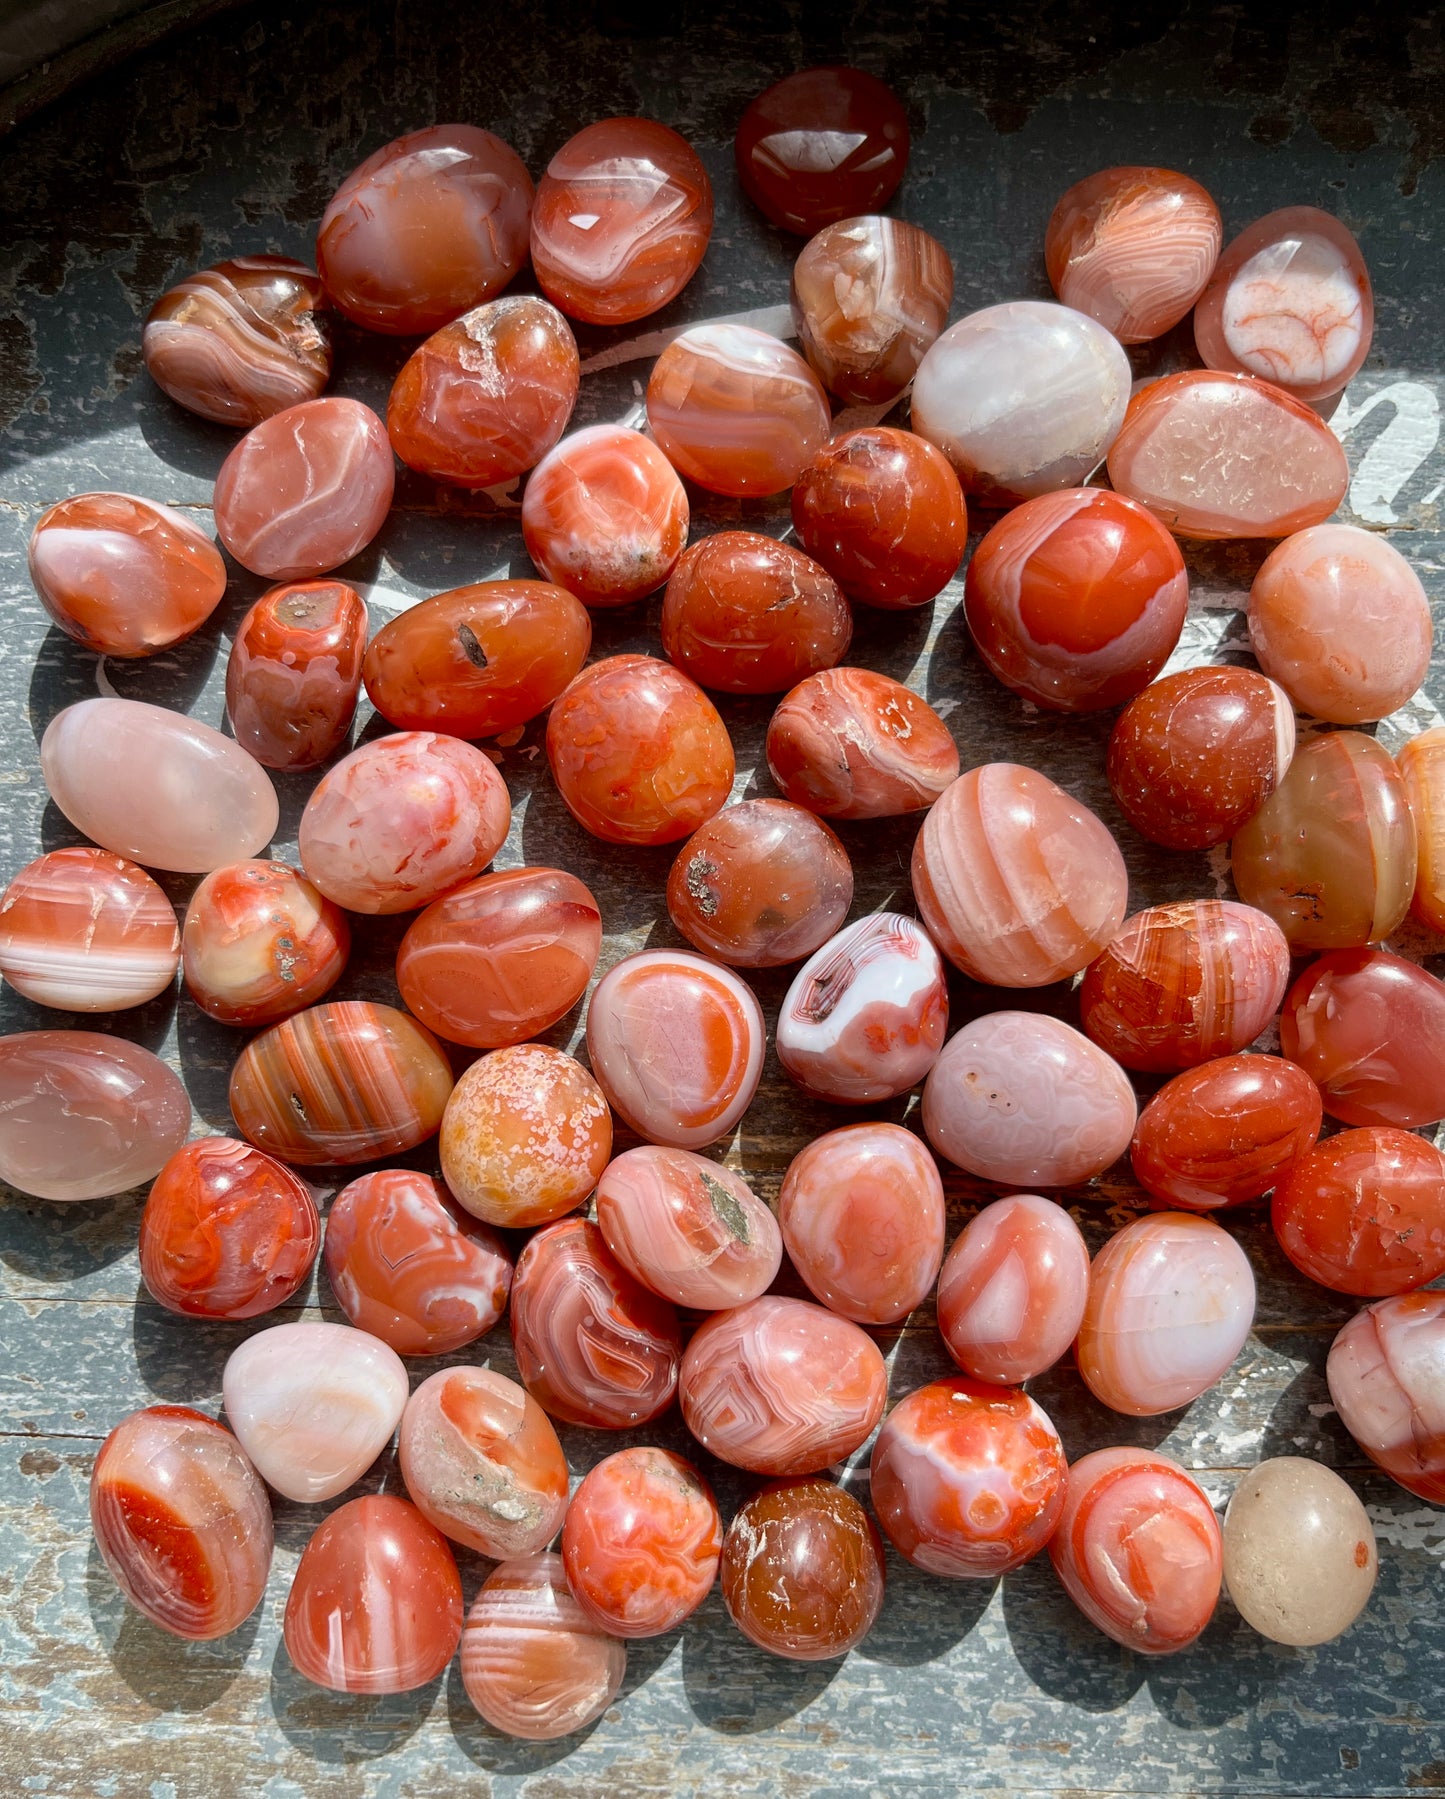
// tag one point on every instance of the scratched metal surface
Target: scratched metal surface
(229, 139)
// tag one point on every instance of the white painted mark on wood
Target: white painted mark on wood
(1397, 454)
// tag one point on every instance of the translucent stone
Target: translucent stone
(1299, 1552)
(849, 743)
(1363, 1212)
(822, 144)
(85, 931)
(260, 942)
(1422, 769)
(1386, 1374)
(1012, 1289)
(294, 673)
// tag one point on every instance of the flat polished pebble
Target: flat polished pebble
(260, 942)
(779, 1386)
(1171, 1301)
(345, 1081)
(677, 1044)
(240, 341)
(1363, 1212)
(1138, 1549)
(305, 490)
(84, 1115)
(313, 1405)
(1386, 1375)
(1369, 1030)
(533, 1663)
(1299, 1551)
(294, 673)
(182, 1521)
(1018, 883)
(850, 743)
(204, 801)
(85, 931)
(1024, 1100)
(822, 144)
(866, 1014)
(1012, 1288)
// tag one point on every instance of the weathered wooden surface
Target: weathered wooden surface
(230, 139)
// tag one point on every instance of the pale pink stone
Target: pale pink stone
(313, 1405)
(403, 820)
(305, 490)
(1024, 1100)
(1012, 1289)
(1386, 1373)
(160, 788)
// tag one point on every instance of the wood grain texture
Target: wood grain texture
(230, 139)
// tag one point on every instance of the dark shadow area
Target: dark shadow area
(344, 1728)
(923, 1617)
(1059, 1649)
(52, 1243)
(736, 1689)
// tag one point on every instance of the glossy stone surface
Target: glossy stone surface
(1183, 983)
(736, 410)
(677, 1043)
(1197, 753)
(744, 613)
(305, 490)
(638, 751)
(605, 516)
(862, 1216)
(689, 1229)
(409, 1266)
(1133, 248)
(1299, 1551)
(1369, 1030)
(240, 341)
(1012, 1288)
(1215, 455)
(1224, 1133)
(621, 220)
(83, 1115)
(204, 803)
(376, 1600)
(345, 1081)
(85, 931)
(533, 1664)
(1023, 1100)
(313, 1405)
(424, 228)
(822, 144)
(779, 1386)
(1364, 1212)
(1421, 762)
(1338, 617)
(967, 1479)
(181, 1521)
(1331, 853)
(803, 1571)
(1075, 600)
(1018, 883)
(593, 1346)
(227, 1232)
(526, 1134)
(294, 673)
(865, 1016)
(1171, 1300)
(403, 820)
(260, 942)
(1138, 1549)
(477, 660)
(1386, 1374)
(761, 884)
(485, 398)
(1290, 300)
(123, 576)
(501, 959)
(1022, 398)
(870, 295)
(482, 1462)
(641, 1543)
(883, 512)
(849, 743)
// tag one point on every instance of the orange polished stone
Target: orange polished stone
(85, 931)
(736, 410)
(1422, 769)
(1364, 1212)
(621, 221)
(605, 515)
(477, 660)
(744, 613)
(883, 512)
(1196, 754)
(1133, 248)
(1216, 455)
(487, 396)
(428, 226)
(822, 144)
(294, 673)
(848, 743)
(638, 751)
(1076, 599)
(260, 942)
